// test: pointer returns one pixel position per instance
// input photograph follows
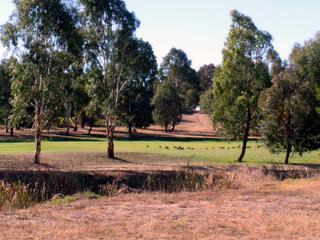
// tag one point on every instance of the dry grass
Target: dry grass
(273, 210)
(92, 161)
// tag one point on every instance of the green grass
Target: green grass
(213, 151)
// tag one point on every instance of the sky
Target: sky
(200, 27)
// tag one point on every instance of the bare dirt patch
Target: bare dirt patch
(193, 125)
(287, 210)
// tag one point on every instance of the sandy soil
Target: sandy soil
(288, 210)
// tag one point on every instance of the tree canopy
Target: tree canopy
(167, 105)
(291, 122)
(176, 69)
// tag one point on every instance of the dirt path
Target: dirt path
(288, 210)
(195, 125)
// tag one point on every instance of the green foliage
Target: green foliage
(5, 91)
(205, 77)
(135, 103)
(291, 123)
(176, 69)
(206, 102)
(306, 62)
(108, 28)
(64, 200)
(241, 77)
(167, 107)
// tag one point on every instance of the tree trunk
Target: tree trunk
(91, 125)
(83, 121)
(68, 114)
(90, 129)
(11, 131)
(130, 129)
(245, 136)
(289, 148)
(110, 136)
(6, 125)
(37, 136)
(76, 121)
(173, 126)
(166, 127)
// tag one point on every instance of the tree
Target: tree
(206, 102)
(176, 68)
(291, 122)
(5, 94)
(45, 34)
(75, 95)
(305, 60)
(108, 28)
(135, 104)
(167, 106)
(205, 77)
(241, 78)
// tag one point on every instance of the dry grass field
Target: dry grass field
(271, 210)
(250, 205)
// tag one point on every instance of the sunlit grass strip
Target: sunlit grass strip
(208, 151)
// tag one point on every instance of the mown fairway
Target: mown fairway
(205, 151)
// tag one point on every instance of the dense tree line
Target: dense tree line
(75, 63)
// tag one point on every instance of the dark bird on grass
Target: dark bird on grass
(166, 147)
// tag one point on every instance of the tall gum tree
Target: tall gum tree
(108, 28)
(135, 109)
(44, 37)
(176, 68)
(240, 79)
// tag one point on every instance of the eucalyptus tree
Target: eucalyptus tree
(108, 27)
(75, 95)
(135, 103)
(176, 68)
(205, 77)
(241, 78)
(167, 105)
(5, 94)
(305, 60)
(44, 37)
(291, 123)
(206, 102)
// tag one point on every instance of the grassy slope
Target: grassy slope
(223, 152)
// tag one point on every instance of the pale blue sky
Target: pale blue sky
(200, 27)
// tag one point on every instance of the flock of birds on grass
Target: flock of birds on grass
(180, 148)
